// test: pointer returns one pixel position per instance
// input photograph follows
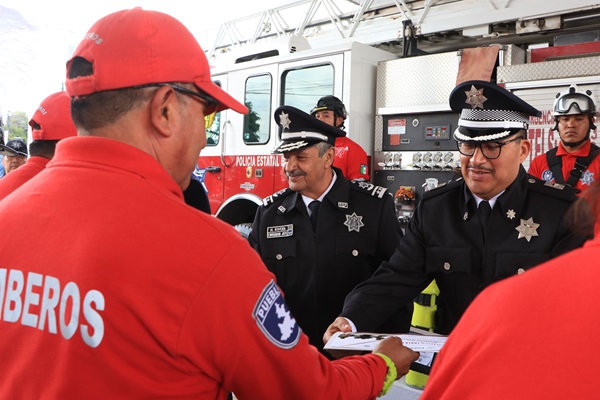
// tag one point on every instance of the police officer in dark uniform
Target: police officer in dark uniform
(495, 222)
(318, 255)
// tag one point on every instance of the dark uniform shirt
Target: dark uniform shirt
(446, 242)
(357, 229)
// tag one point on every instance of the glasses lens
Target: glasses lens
(209, 120)
(491, 150)
(581, 104)
(466, 149)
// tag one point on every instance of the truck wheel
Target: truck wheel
(243, 229)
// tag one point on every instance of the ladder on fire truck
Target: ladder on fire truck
(437, 25)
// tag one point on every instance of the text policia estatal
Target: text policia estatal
(58, 306)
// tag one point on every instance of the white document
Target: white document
(364, 341)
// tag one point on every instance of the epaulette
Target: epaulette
(369, 188)
(442, 188)
(276, 196)
(565, 192)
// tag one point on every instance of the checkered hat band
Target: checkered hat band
(303, 135)
(489, 119)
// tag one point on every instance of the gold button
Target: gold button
(520, 271)
(354, 253)
(279, 256)
(447, 266)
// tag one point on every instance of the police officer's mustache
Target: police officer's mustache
(291, 174)
(479, 168)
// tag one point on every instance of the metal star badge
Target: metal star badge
(510, 214)
(587, 178)
(475, 97)
(284, 120)
(527, 229)
(354, 222)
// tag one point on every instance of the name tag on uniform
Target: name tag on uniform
(274, 232)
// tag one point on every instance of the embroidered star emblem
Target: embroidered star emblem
(363, 184)
(284, 120)
(475, 97)
(510, 214)
(527, 229)
(587, 178)
(354, 222)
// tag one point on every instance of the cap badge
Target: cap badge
(354, 222)
(284, 120)
(510, 214)
(475, 97)
(527, 229)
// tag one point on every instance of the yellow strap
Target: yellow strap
(391, 375)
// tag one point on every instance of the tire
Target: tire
(244, 229)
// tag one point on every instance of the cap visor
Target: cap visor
(224, 99)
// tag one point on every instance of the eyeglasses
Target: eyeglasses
(490, 150)
(212, 103)
(581, 102)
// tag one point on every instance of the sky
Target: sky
(37, 37)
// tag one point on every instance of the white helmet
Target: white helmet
(571, 102)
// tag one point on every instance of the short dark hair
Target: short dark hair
(103, 108)
(43, 148)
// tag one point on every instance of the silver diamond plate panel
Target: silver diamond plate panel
(378, 133)
(557, 69)
(417, 81)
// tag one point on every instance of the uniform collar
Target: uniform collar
(337, 195)
(509, 203)
(582, 152)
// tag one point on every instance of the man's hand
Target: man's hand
(400, 355)
(339, 325)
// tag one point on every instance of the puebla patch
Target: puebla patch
(274, 319)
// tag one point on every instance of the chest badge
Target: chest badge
(280, 231)
(510, 214)
(466, 216)
(587, 178)
(354, 222)
(527, 229)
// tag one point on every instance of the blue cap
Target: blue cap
(488, 112)
(15, 147)
(300, 130)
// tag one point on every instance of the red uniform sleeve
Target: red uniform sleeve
(355, 161)
(226, 342)
(538, 165)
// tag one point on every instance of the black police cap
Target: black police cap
(488, 112)
(300, 130)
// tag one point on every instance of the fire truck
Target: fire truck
(393, 64)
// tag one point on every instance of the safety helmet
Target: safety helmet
(330, 103)
(571, 102)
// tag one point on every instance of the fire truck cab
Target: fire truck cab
(237, 166)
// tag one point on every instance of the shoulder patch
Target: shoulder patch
(373, 190)
(274, 318)
(276, 196)
(552, 189)
(442, 188)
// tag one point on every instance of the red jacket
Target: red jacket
(540, 169)
(114, 288)
(10, 182)
(351, 159)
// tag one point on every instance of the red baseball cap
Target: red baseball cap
(54, 118)
(139, 47)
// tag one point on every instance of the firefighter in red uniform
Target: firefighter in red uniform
(350, 158)
(126, 292)
(50, 123)
(574, 161)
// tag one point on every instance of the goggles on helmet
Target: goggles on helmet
(574, 103)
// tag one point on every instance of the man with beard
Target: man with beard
(573, 161)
